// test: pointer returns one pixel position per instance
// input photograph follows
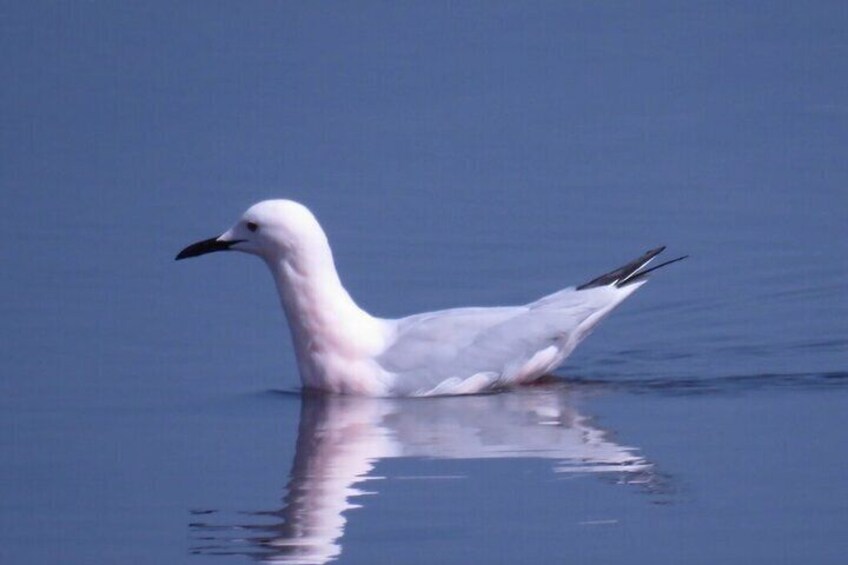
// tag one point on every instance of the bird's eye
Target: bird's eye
(252, 226)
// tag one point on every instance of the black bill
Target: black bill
(206, 246)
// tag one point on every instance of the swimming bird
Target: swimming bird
(341, 348)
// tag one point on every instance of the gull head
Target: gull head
(271, 229)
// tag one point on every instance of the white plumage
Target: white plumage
(340, 348)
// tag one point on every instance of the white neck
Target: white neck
(330, 332)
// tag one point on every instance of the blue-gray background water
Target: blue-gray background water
(457, 153)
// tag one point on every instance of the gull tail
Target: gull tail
(631, 272)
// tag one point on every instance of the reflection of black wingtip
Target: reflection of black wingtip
(628, 273)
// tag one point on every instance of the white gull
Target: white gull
(341, 348)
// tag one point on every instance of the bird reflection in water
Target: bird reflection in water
(341, 439)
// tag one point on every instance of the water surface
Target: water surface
(480, 154)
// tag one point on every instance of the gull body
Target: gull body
(341, 348)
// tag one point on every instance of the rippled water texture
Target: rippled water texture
(471, 154)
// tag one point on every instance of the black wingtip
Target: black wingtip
(640, 275)
(625, 274)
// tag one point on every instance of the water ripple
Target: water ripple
(715, 385)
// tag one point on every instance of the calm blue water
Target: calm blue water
(479, 153)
